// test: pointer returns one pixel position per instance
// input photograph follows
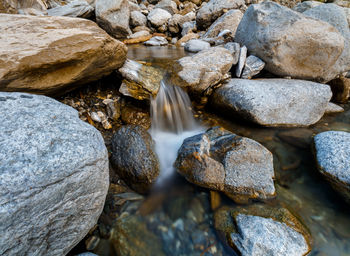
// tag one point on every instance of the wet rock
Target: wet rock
(204, 69)
(137, 19)
(274, 102)
(219, 160)
(304, 6)
(54, 46)
(241, 61)
(214, 9)
(140, 81)
(333, 108)
(113, 17)
(262, 230)
(53, 167)
(196, 45)
(158, 17)
(252, 67)
(156, 41)
(230, 21)
(77, 8)
(332, 155)
(300, 137)
(33, 7)
(340, 89)
(130, 236)
(235, 49)
(290, 43)
(335, 16)
(136, 116)
(168, 5)
(134, 157)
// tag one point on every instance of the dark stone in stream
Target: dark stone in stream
(134, 157)
(220, 160)
(261, 230)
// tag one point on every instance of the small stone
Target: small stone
(139, 34)
(94, 116)
(158, 17)
(168, 5)
(235, 50)
(333, 108)
(156, 41)
(215, 200)
(196, 45)
(241, 61)
(252, 67)
(92, 243)
(137, 19)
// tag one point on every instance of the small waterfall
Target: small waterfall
(172, 122)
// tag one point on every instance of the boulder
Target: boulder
(158, 17)
(208, 13)
(262, 230)
(332, 151)
(168, 5)
(137, 19)
(76, 8)
(230, 20)
(220, 160)
(196, 45)
(156, 41)
(140, 81)
(204, 69)
(113, 17)
(25, 7)
(273, 102)
(134, 157)
(177, 21)
(253, 66)
(54, 176)
(51, 54)
(140, 34)
(335, 16)
(188, 27)
(235, 49)
(290, 43)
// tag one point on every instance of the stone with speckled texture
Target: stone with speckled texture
(332, 150)
(54, 176)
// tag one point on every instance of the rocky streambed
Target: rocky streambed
(111, 161)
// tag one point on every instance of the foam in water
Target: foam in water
(172, 122)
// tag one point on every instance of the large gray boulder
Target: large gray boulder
(214, 9)
(137, 18)
(54, 176)
(260, 230)
(290, 43)
(113, 16)
(204, 69)
(134, 157)
(335, 16)
(229, 21)
(76, 8)
(220, 160)
(273, 102)
(332, 150)
(47, 55)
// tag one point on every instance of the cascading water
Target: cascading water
(172, 122)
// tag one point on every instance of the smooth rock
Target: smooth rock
(140, 34)
(140, 81)
(168, 5)
(53, 54)
(113, 16)
(156, 41)
(196, 45)
(76, 8)
(273, 102)
(214, 9)
(230, 21)
(134, 157)
(241, 61)
(219, 160)
(332, 150)
(137, 19)
(290, 43)
(158, 17)
(304, 6)
(204, 69)
(335, 16)
(54, 176)
(186, 38)
(25, 7)
(333, 108)
(262, 230)
(252, 67)
(235, 50)
(340, 89)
